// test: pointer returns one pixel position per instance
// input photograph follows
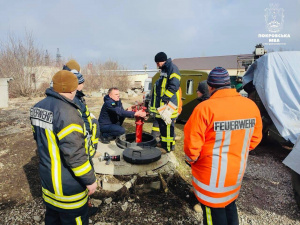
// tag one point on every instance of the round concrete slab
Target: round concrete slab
(122, 167)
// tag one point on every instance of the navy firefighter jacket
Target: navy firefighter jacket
(166, 88)
(64, 164)
(86, 115)
(112, 112)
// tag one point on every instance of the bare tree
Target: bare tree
(105, 75)
(19, 59)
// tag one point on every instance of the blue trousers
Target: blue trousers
(112, 130)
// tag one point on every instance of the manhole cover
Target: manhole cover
(141, 155)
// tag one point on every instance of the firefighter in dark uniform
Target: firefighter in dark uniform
(66, 173)
(165, 90)
(112, 116)
(91, 124)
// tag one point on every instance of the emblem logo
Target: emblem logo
(274, 18)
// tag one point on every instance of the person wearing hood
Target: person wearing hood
(91, 123)
(202, 91)
(112, 116)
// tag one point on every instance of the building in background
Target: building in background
(236, 65)
(4, 92)
(40, 75)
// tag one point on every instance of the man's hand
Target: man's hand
(140, 113)
(92, 188)
(129, 108)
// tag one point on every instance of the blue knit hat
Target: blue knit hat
(74, 70)
(79, 76)
(218, 77)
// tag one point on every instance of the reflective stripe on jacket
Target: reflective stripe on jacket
(86, 116)
(64, 166)
(218, 136)
(166, 88)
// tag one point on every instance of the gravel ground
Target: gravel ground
(266, 195)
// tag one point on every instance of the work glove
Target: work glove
(166, 112)
(92, 115)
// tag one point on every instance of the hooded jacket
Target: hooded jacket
(64, 165)
(166, 88)
(203, 88)
(112, 112)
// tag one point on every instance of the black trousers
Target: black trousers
(220, 216)
(167, 134)
(155, 128)
(54, 217)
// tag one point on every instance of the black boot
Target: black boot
(103, 139)
(92, 211)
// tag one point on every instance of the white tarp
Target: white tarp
(293, 159)
(276, 77)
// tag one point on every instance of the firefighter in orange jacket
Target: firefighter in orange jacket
(218, 136)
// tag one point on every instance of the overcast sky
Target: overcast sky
(131, 32)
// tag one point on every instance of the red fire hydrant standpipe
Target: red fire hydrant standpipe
(139, 121)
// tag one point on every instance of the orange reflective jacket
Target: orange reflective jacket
(217, 138)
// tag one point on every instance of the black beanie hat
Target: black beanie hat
(160, 57)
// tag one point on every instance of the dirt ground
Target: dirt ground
(266, 195)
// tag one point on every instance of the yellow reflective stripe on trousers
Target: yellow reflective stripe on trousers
(69, 129)
(208, 216)
(176, 76)
(162, 90)
(165, 139)
(169, 138)
(83, 169)
(169, 94)
(74, 205)
(65, 198)
(55, 162)
(78, 220)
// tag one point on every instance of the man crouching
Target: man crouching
(112, 116)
